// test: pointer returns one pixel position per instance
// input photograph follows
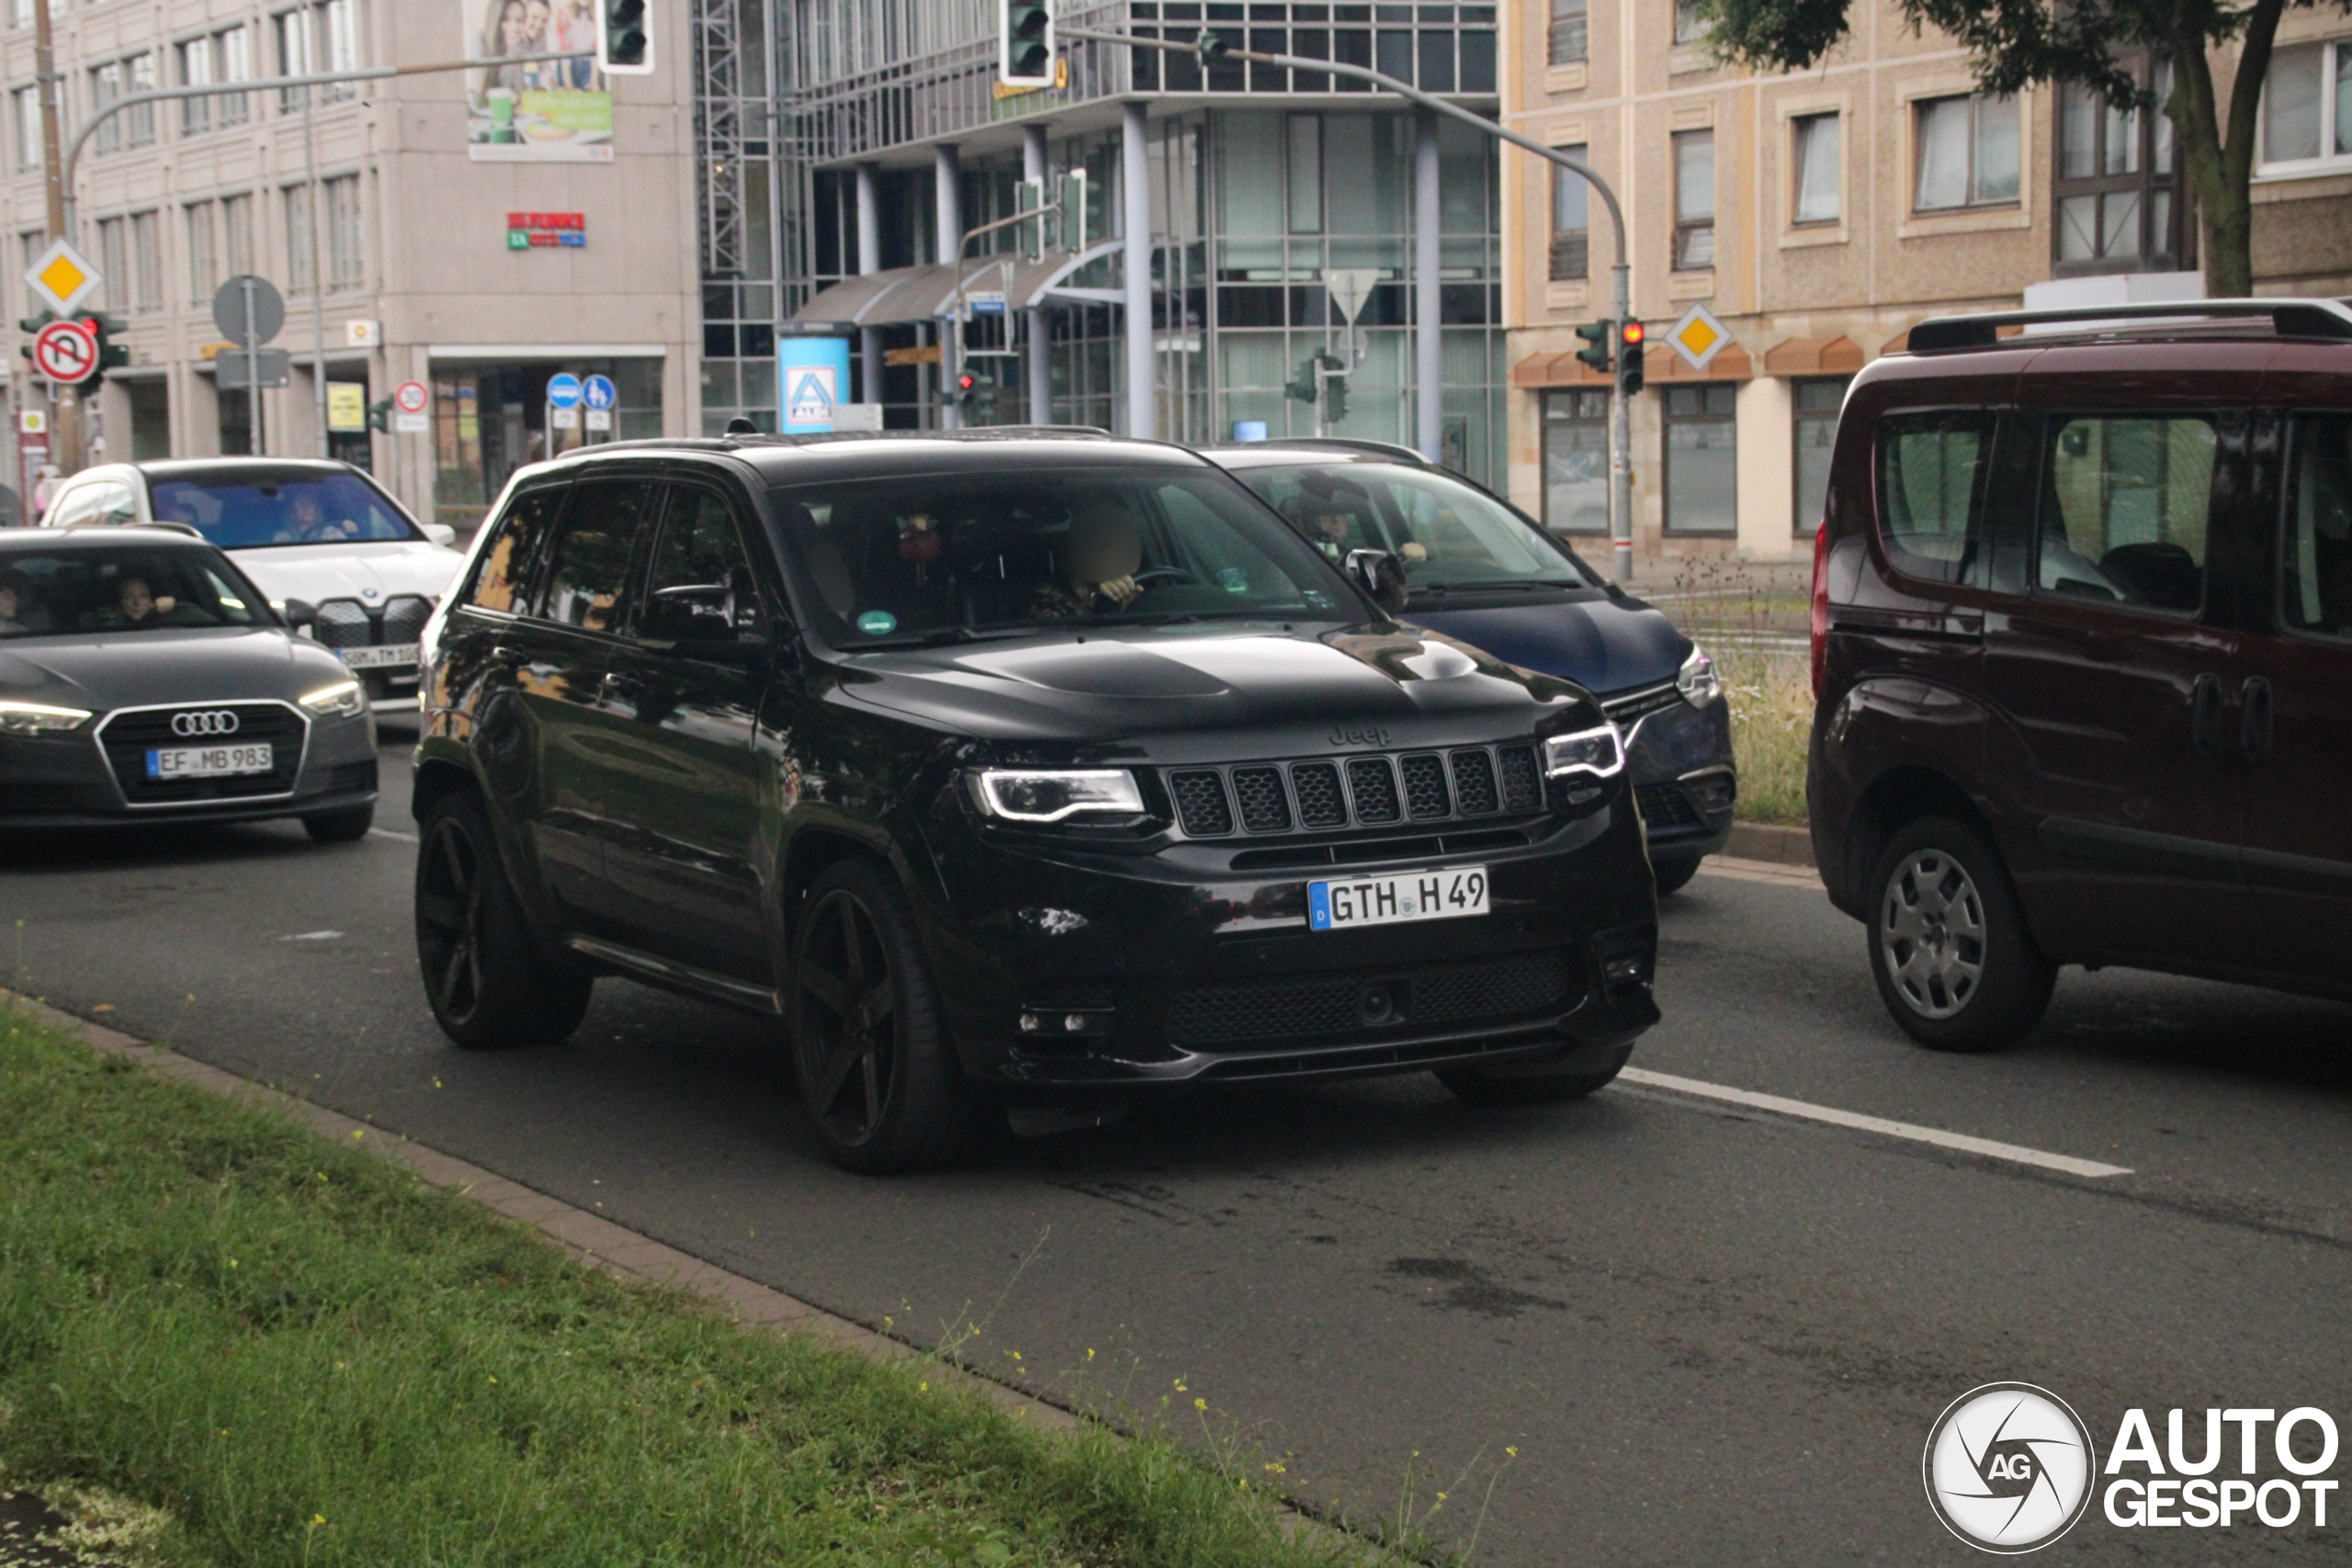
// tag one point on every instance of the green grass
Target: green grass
(302, 1355)
(1771, 721)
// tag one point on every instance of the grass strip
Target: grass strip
(303, 1355)
(1770, 693)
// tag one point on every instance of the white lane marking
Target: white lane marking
(313, 936)
(388, 833)
(1761, 871)
(2016, 1153)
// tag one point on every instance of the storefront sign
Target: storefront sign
(545, 230)
(542, 110)
(815, 376)
(347, 407)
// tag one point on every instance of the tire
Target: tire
(341, 827)
(488, 980)
(1949, 947)
(1674, 875)
(1475, 1085)
(877, 1070)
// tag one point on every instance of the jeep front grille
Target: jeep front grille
(1319, 794)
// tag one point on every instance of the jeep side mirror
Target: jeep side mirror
(1381, 576)
(299, 613)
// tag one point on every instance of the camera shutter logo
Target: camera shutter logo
(190, 726)
(2009, 1468)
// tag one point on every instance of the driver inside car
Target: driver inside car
(141, 605)
(1104, 553)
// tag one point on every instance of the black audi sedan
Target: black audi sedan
(1036, 772)
(1478, 570)
(144, 678)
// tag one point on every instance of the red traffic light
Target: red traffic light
(966, 381)
(1632, 332)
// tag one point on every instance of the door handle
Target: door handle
(502, 654)
(2257, 719)
(2205, 716)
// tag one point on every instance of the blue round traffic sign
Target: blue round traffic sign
(599, 392)
(563, 390)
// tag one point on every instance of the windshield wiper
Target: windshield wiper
(1511, 585)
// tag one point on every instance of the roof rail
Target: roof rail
(2328, 319)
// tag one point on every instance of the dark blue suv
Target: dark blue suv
(1478, 570)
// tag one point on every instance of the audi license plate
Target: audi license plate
(1385, 900)
(392, 655)
(209, 762)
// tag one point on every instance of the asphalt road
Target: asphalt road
(1712, 1334)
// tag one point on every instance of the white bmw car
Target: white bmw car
(310, 532)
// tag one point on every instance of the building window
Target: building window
(1571, 222)
(301, 254)
(204, 278)
(147, 259)
(1575, 461)
(1692, 22)
(347, 263)
(1694, 200)
(196, 70)
(1814, 156)
(2307, 109)
(24, 106)
(338, 24)
(30, 244)
(1818, 400)
(1305, 142)
(1968, 153)
(105, 87)
(294, 56)
(20, 13)
(236, 235)
(2114, 183)
(1571, 31)
(113, 261)
(1702, 459)
(233, 62)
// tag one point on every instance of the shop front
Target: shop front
(491, 417)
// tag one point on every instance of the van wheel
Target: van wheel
(487, 980)
(1949, 947)
(876, 1067)
(1474, 1086)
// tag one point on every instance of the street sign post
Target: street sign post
(249, 310)
(600, 396)
(61, 277)
(66, 352)
(233, 372)
(409, 401)
(1698, 337)
(564, 390)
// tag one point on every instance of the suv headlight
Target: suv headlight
(345, 699)
(1598, 752)
(39, 718)
(1697, 678)
(1048, 794)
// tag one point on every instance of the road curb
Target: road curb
(1766, 842)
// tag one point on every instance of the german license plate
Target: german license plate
(209, 762)
(1387, 900)
(390, 656)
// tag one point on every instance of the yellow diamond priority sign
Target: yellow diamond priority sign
(1698, 337)
(62, 276)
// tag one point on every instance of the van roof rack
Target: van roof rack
(2327, 319)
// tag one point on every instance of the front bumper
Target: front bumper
(68, 781)
(1680, 762)
(1147, 971)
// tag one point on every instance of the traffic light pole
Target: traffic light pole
(1620, 444)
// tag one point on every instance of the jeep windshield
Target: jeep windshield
(252, 508)
(944, 557)
(1451, 536)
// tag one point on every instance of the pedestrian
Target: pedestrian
(44, 491)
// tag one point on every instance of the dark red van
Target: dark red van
(2082, 642)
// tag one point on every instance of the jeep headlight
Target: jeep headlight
(1697, 678)
(39, 718)
(1049, 795)
(345, 699)
(1600, 753)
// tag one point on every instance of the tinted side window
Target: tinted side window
(1933, 470)
(504, 568)
(2124, 505)
(701, 583)
(586, 580)
(2318, 554)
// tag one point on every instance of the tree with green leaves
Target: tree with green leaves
(2019, 41)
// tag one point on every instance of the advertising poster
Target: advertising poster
(816, 379)
(551, 111)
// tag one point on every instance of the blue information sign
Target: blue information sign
(563, 390)
(598, 392)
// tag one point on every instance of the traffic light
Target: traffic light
(380, 415)
(624, 44)
(974, 395)
(1629, 337)
(1596, 349)
(1335, 391)
(1025, 55)
(33, 324)
(112, 355)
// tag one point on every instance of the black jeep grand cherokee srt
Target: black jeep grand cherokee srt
(1031, 769)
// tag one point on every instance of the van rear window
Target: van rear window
(1932, 473)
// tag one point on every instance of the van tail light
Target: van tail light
(1820, 608)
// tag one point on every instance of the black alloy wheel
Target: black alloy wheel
(875, 1066)
(486, 980)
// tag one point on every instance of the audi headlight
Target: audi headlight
(1050, 795)
(1598, 752)
(1697, 678)
(345, 699)
(39, 718)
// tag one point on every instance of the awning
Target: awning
(1813, 356)
(904, 294)
(1660, 364)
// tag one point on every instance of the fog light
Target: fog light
(1622, 971)
(1030, 1023)
(1075, 1022)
